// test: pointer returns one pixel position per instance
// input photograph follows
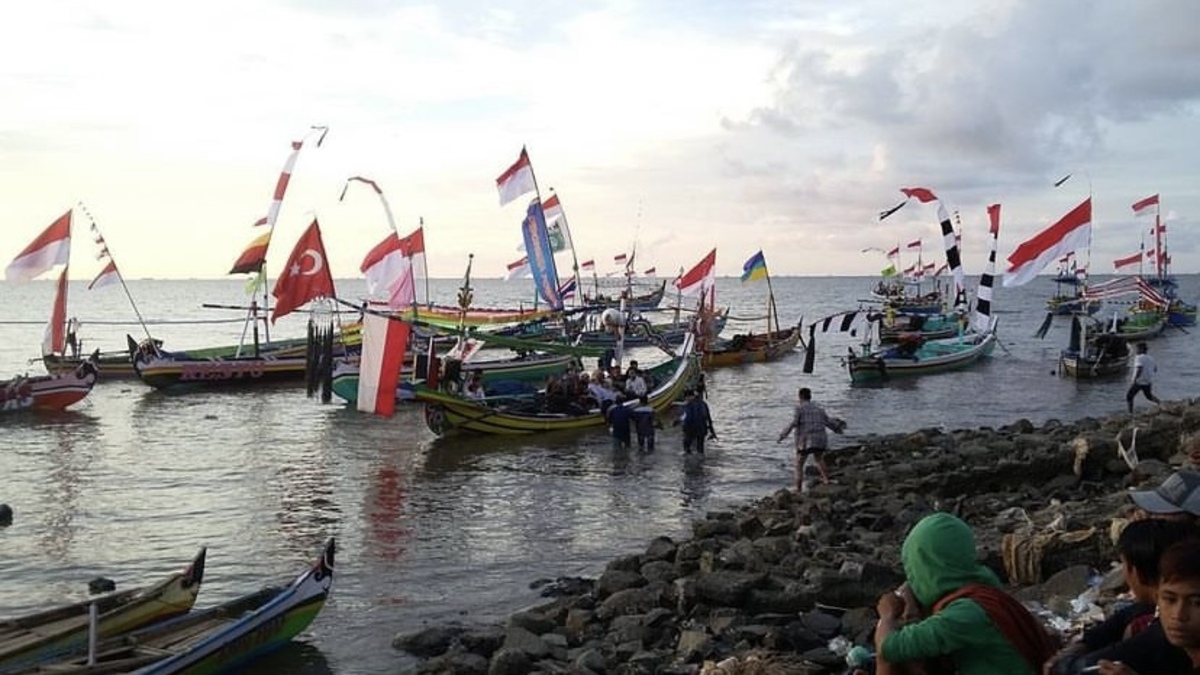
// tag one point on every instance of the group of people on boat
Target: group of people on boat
(576, 393)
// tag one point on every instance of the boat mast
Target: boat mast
(105, 253)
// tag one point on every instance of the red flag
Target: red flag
(52, 247)
(620, 258)
(587, 265)
(650, 272)
(916, 243)
(1146, 206)
(516, 180)
(922, 195)
(699, 278)
(255, 254)
(260, 221)
(1126, 261)
(894, 252)
(305, 276)
(384, 344)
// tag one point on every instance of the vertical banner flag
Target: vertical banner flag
(516, 180)
(754, 268)
(384, 344)
(55, 339)
(51, 247)
(1070, 233)
(541, 256)
(305, 276)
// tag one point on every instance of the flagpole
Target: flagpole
(120, 277)
(571, 240)
(771, 312)
(421, 225)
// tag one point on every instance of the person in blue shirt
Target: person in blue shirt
(620, 417)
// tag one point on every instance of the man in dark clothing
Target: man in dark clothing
(697, 423)
(644, 422)
(619, 417)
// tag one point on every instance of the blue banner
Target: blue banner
(541, 256)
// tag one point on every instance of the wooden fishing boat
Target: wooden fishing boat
(1140, 325)
(47, 392)
(30, 640)
(1093, 352)
(643, 301)
(449, 316)
(752, 348)
(194, 369)
(919, 357)
(642, 333)
(447, 413)
(523, 373)
(219, 638)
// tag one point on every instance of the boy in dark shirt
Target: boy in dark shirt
(619, 417)
(644, 422)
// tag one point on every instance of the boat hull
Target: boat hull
(522, 373)
(935, 356)
(743, 349)
(47, 392)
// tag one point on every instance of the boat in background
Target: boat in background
(750, 347)
(26, 642)
(47, 392)
(1092, 351)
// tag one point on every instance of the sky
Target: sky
(666, 126)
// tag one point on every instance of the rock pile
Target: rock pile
(786, 584)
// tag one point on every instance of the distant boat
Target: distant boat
(1093, 352)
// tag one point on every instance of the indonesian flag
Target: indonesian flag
(392, 267)
(1070, 233)
(516, 180)
(650, 272)
(700, 278)
(1130, 260)
(384, 344)
(916, 243)
(942, 268)
(52, 247)
(107, 276)
(518, 270)
(587, 265)
(55, 339)
(894, 252)
(920, 194)
(1146, 207)
(620, 258)
(305, 276)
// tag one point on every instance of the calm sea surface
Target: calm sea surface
(131, 482)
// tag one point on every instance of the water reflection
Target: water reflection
(70, 459)
(694, 486)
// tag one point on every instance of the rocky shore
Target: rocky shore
(787, 583)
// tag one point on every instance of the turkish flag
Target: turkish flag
(306, 275)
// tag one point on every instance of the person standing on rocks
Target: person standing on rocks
(1144, 370)
(809, 422)
(969, 619)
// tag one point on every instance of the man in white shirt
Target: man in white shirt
(1144, 370)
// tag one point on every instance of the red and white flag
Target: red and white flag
(392, 267)
(1127, 261)
(552, 208)
(894, 252)
(1070, 233)
(516, 180)
(587, 265)
(650, 272)
(620, 258)
(916, 243)
(305, 276)
(107, 277)
(52, 247)
(701, 278)
(384, 345)
(923, 195)
(1146, 207)
(518, 270)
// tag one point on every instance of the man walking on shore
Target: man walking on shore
(1144, 370)
(809, 423)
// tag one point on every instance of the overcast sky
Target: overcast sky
(676, 126)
